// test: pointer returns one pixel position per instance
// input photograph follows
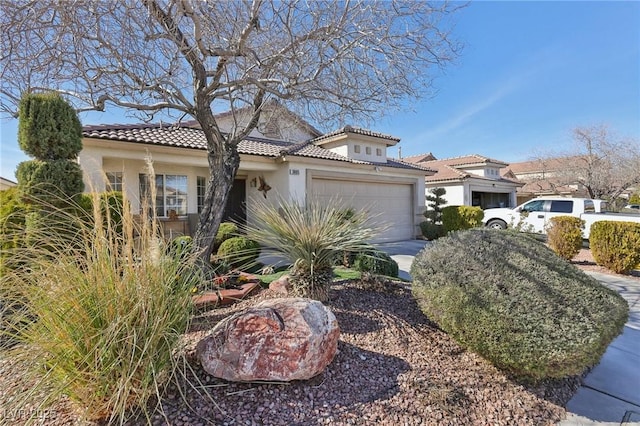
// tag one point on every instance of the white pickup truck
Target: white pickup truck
(534, 215)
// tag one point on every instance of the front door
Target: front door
(236, 209)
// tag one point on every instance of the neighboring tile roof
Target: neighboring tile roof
(193, 138)
(452, 169)
(420, 158)
(357, 131)
(543, 165)
(466, 160)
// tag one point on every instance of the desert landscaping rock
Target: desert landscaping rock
(393, 367)
(276, 340)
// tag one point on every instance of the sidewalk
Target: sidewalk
(610, 393)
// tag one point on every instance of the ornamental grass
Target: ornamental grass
(94, 313)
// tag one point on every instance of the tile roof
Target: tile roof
(357, 131)
(544, 165)
(188, 136)
(466, 160)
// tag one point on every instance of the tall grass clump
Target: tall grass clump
(310, 238)
(102, 318)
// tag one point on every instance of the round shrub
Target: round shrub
(239, 251)
(432, 231)
(564, 236)
(455, 218)
(226, 230)
(615, 245)
(377, 262)
(50, 181)
(509, 298)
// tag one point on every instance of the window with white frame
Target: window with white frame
(368, 150)
(356, 149)
(171, 193)
(201, 187)
(114, 181)
(379, 152)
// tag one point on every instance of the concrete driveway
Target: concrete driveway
(403, 252)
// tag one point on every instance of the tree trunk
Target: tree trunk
(224, 162)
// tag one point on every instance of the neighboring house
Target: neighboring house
(471, 180)
(543, 178)
(6, 183)
(350, 164)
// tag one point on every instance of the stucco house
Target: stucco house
(284, 156)
(6, 183)
(470, 180)
(544, 177)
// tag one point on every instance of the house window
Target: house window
(368, 150)
(356, 149)
(379, 152)
(114, 181)
(171, 193)
(201, 187)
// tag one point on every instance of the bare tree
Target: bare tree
(329, 60)
(603, 165)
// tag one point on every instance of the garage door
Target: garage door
(388, 203)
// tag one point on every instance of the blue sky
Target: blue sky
(530, 73)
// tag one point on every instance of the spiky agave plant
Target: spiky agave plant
(310, 238)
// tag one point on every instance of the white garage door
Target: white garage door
(389, 204)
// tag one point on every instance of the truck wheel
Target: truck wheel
(497, 224)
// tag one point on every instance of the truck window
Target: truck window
(562, 206)
(589, 207)
(534, 206)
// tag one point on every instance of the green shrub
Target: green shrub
(615, 245)
(376, 262)
(239, 251)
(564, 236)
(432, 231)
(50, 182)
(106, 318)
(456, 218)
(48, 127)
(509, 298)
(226, 230)
(12, 218)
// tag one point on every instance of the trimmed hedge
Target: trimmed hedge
(509, 298)
(226, 230)
(564, 236)
(432, 231)
(616, 245)
(376, 262)
(456, 218)
(239, 251)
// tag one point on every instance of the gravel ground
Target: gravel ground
(394, 367)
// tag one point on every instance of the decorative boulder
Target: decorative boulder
(276, 340)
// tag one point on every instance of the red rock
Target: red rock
(225, 296)
(277, 340)
(281, 285)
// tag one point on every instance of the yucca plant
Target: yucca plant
(310, 238)
(101, 319)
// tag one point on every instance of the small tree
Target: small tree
(49, 130)
(435, 203)
(635, 198)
